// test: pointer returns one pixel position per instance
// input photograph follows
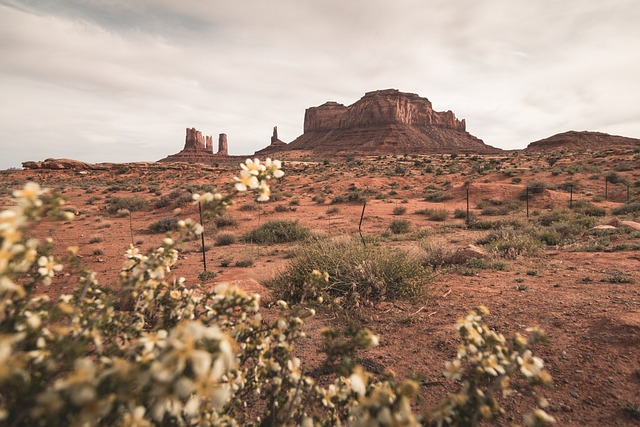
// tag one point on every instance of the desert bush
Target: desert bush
(249, 207)
(281, 208)
(356, 273)
(163, 225)
(536, 187)
(176, 198)
(278, 231)
(629, 208)
(438, 196)
(319, 199)
(511, 243)
(587, 208)
(225, 239)
(434, 214)
(131, 204)
(400, 226)
(399, 210)
(615, 178)
(225, 221)
(153, 351)
(434, 255)
(459, 213)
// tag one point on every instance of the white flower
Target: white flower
(47, 269)
(530, 366)
(265, 192)
(273, 168)
(253, 166)
(246, 180)
(357, 384)
(31, 193)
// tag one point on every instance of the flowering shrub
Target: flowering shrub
(153, 351)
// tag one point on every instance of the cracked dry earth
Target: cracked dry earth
(591, 317)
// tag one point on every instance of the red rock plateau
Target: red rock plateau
(573, 140)
(199, 149)
(385, 122)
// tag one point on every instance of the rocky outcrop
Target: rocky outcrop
(199, 149)
(275, 145)
(385, 122)
(383, 107)
(60, 164)
(573, 140)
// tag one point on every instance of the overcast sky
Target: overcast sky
(120, 80)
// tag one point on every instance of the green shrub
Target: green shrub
(225, 221)
(131, 204)
(163, 225)
(278, 231)
(399, 210)
(587, 208)
(225, 239)
(400, 226)
(356, 272)
(629, 208)
(249, 207)
(511, 243)
(434, 214)
(536, 187)
(615, 178)
(460, 213)
(437, 197)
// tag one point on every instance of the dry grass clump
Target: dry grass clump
(357, 273)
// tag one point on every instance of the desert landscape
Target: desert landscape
(547, 236)
(319, 214)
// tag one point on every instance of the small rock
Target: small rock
(631, 224)
(574, 394)
(604, 227)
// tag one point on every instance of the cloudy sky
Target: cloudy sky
(120, 80)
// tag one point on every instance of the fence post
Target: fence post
(527, 198)
(204, 257)
(360, 225)
(606, 189)
(570, 196)
(467, 205)
(131, 228)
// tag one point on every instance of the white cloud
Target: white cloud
(119, 81)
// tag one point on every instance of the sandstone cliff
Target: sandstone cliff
(385, 122)
(573, 140)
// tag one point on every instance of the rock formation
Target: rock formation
(384, 122)
(275, 146)
(223, 148)
(199, 149)
(573, 140)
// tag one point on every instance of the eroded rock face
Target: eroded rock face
(385, 122)
(378, 108)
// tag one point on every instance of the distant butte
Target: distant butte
(573, 140)
(383, 122)
(199, 149)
